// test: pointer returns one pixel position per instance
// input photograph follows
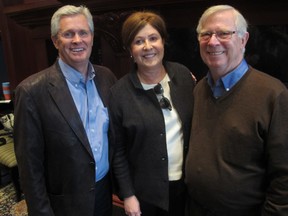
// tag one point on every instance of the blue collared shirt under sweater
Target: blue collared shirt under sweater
(226, 82)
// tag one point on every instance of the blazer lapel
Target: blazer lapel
(59, 91)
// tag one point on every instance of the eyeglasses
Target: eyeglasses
(164, 102)
(220, 35)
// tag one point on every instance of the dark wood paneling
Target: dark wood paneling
(25, 29)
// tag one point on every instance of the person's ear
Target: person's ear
(55, 41)
(244, 39)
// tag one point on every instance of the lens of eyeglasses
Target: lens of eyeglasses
(158, 89)
(165, 103)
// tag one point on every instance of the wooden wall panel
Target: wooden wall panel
(25, 29)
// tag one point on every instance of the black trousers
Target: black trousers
(177, 200)
(103, 197)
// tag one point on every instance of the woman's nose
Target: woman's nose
(147, 45)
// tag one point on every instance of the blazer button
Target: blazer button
(163, 158)
(92, 188)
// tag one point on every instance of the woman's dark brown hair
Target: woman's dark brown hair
(138, 20)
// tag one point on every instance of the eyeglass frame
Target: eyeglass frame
(164, 101)
(227, 34)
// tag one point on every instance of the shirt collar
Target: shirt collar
(230, 79)
(73, 75)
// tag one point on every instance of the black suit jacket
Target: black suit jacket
(56, 165)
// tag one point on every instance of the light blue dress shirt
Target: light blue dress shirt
(225, 83)
(92, 112)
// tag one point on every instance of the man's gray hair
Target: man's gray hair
(69, 10)
(240, 22)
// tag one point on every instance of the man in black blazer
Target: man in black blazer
(61, 125)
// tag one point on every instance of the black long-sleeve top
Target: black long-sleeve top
(140, 160)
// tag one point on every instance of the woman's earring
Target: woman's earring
(132, 58)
